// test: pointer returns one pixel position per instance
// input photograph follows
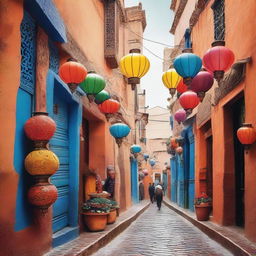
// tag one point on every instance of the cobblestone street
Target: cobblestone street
(162, 233)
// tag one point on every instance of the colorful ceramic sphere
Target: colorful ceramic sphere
(135, 149)
(42, 195)
(101, 97)
(41, 162)
(93, 83)
(40, 127)
(119, 130)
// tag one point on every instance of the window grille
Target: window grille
(219, 19)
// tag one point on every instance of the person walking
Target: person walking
(159, 196)
(151, 190)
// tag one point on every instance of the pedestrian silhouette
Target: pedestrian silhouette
(151, 190)
(159, 196)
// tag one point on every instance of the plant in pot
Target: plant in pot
(113, 211)
(95, 212)
(203, 207)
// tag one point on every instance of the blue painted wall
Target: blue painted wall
(173, 179)
(134, 181)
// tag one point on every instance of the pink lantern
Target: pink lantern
(180, 115)
(145, 172)
(201, 83)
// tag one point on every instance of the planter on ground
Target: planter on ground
(111, 216)
(203, 207)
(95, 221)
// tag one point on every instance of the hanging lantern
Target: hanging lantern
(173, 143)
(145, 172)
(41, 162)
(171, 80)
(187, 65)
(93, 84)
(146, 156)
(180, 115)
(218, 59)
(181, 87)
(40, 128)
(134, 66)
(101, 96)
(189, 100)
(72, 73)
(179, 150)
(152, 162)
(119, 131)
(135, 149)
(246, 135)
(141, 175)
(201, 83)
(109, 107)
(42, 195)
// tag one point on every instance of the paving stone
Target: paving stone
(162, 233)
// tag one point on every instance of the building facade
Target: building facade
(222, 168)
(36, 39)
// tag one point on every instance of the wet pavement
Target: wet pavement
(162, 233)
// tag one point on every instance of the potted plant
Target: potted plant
(203, 207)
(113, 211)
(95, 213)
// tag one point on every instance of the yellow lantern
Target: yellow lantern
(134, 66)
(41, 162)
(171, 80)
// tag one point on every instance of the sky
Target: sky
(159, 18)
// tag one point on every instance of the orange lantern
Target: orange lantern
(174, 143)
(109, 107)
(181, 87)
(246, 135)
(72, 73)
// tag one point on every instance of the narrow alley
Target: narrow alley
(162, 233)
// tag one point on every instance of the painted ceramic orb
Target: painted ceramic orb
(42, 195)
(40, 127)
(41, 162)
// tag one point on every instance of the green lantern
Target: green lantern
(93, 83)
(102, 96)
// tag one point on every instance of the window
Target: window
(219, 19)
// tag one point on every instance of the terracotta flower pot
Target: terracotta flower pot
(95, 221)
(111, 217)
(203, 211)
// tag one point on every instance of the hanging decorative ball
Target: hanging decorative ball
(152, 162)
(171, 80)
(93, 83)
(189, 100)
(180, 115)
(135, 149)
(218, 59)
(72, 73)
(201, 83)
(246, 135)
(187, 65)
(40, 127)
(41, 162)
(173, 143)
(141, 175)
(145, 172)
(42, 195)
(119, 131)
(146, 156)
(109, 106)
(179, 150)
(101, 96)
(181, 87)
(134, 66)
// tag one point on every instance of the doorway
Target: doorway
(209, 177)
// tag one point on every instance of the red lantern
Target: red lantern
(179, 150)
(72, 73)
(109, 107)
(40, 127)
(181, 87)
(246, 135)
(42, 195)
(189, 100)
(173, 143)
(218, 59)
(145, 172)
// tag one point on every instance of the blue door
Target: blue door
(60, 146)
(191, 177)
(134, 181)
(173, 179)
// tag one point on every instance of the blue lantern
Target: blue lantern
(152, 162)
(135, 149)
(187, 65)
(146, 156)
(118, 131)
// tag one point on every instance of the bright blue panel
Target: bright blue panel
(48, 17)
(134, 181)
(181, 181)
(21, 149)
(173, 179)
(191, 180)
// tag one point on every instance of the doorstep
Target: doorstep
(89, 242)
(229, 237)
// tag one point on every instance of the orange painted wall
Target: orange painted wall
(240, 37)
